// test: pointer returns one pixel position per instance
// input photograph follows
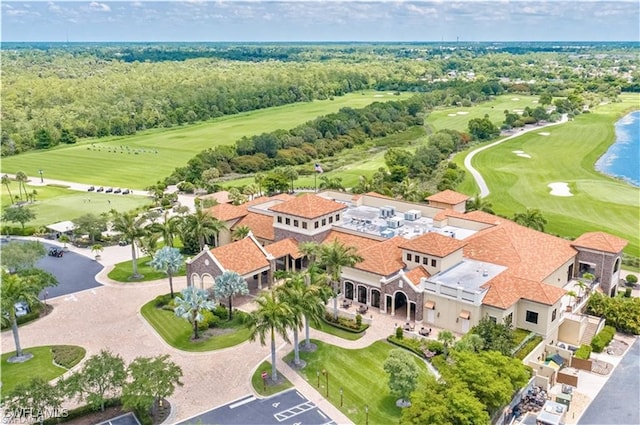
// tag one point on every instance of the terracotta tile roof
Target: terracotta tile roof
(383, 258)
(221, 197)
(433, 243)
(601, 241)
(308, 206)
(243, 256)
(527, 253)
(377, 195)
(263, 199)
(448, 197)
(261, 225)
(226, 212)
(505, 290)
(417, 273)
(347, 239)
(285, 246)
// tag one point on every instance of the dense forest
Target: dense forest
(58, 93)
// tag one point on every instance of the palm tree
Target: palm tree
(333, 256)
(306, 303)
(236, 197)
(259, 180)
(227, 285)
(240, 232)
(21, 178)
(131, 228)
(309, 250)
(272, 316)
(168, 229)
(479, 204)
(7, 182)
(446, 338)
(531, 218)
(168, 260)
(332, 183)
(16, 288)
(573, 295)
(407, 189)
(582, 287)
(190, 305)
(200, 225)
(365, 184)
(251, 190)
(290, 173)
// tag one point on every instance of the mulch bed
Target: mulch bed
(162, 413)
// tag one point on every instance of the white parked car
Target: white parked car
(22, 308)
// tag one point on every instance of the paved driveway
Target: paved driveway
(617, 402)
(74, 272)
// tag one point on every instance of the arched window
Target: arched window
(616, 266)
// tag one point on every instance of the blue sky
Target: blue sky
(315, 20)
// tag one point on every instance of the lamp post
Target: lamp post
(46, 294)
(41, 171)
(341, 393)
(366, 412)
(318, 375)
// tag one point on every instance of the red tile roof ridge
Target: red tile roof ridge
(600, 241)
(308, 206)
(448, 197)
(433, 243)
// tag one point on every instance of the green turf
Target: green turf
(123, 271)
(80, 163)
(54, 204)
(360, 374)
(567, 154)
(267, 390)
(341, 333)
(41, 365)
(177, 332)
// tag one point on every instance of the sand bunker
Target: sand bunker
(524, 155)
(534, 101)
(378, 95)
(544, 133)
(559, 189)
(462, 113)
(517, 152)
(452, 115)
(515, 98)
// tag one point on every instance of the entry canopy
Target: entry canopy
(62, 226)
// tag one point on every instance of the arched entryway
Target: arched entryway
(207, 281)
(362, 294)
(375, 298)
(348, 290)
(401, 306)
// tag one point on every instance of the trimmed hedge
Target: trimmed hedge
(584, 352)
(344, 324)
(67, 356)
(416, 345)
(80, 412)
(602, 339)
(528, 347)
(18, 231)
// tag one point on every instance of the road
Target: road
(484, 190)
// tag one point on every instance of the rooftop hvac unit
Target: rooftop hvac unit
(387, 211)
(388, 233)
(412, 215)
(395, 222)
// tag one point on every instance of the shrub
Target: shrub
(207, 319)
(627, 292)
(162, 300)
(221, 312)
(67, 356)
(584, 352)
(358, 320)
(602, 339)
(435, 346)
(412, 344)
(399, 333)
(344, 323)
(631, 279)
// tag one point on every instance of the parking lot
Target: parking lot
(289, 408)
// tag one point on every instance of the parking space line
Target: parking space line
(241, 402)
(294, 411)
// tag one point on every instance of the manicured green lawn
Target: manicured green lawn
(123, 271)
(81, 163)
(567, 154)
(41, 365)
(177, 332)
(54, 204)
(360, 374)
(341, 333)
(268, 390)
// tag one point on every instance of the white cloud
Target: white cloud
(99, 7)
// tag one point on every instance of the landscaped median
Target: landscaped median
(48, 362)
(178, 332)
(360, 376)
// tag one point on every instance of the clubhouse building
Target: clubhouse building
(432, 263)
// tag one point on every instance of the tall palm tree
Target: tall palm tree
(190, 305)
(251, 190)
(272, 316)
(332, 183)
(310, 250)
(15, 288)
(291, 174)
(333, 256)
(21, 178)
(307, 305)
(240, 232)
(201, 225)
(446, 338)
(132, 229)
(7, 182)
(531, 218)
(365, 184)
(479, 204)
(407, 189)
(259, 180)
(168, 260)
